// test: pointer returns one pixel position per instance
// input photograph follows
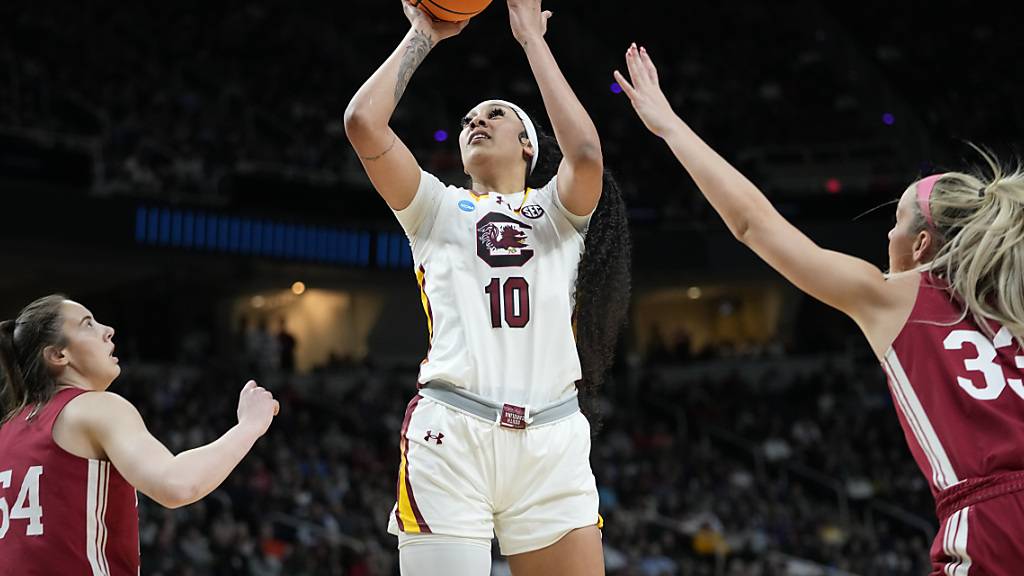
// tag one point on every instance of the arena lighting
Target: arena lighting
(833, 185)
(202, 231)
(440, 136)
(615, 88)
(888, 119)
(298, 288)
(693, 292)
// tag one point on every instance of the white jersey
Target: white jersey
(497, 277)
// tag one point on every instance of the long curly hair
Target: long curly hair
(603, 280)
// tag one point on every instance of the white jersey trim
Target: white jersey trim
(943, 474)
(954, 544)
(580, 223)
(95, 517)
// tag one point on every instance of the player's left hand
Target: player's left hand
(645, 93)
(528, 21)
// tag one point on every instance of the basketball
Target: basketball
(452, 10)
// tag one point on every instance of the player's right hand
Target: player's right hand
(437, 30)
(256, 407)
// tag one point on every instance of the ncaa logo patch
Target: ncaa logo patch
(502, 241)
(466, 205)
(533, 211)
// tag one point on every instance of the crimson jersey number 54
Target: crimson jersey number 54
(511, 299)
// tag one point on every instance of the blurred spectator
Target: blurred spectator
(286, 344)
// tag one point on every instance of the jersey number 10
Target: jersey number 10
(515, 294)
(26, 507)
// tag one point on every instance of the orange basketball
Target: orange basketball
(452, 10)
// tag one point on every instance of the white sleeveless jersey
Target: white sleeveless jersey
(497, 276)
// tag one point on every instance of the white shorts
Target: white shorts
(461, 475)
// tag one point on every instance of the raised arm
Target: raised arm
(849, 284)
(115, 427)
(388, 162)
(582, 169)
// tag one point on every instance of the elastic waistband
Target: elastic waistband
(507, 415)
(976, 490)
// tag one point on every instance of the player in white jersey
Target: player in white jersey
(494, 442)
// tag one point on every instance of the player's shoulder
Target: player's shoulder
(429, 180)
(925, 293)
(548, 189)
(904, 283)
(542, 196)
(95, 415)
(97, 406)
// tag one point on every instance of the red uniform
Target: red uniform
(960, 399)
(61, 514)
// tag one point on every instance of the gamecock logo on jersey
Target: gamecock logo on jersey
(502, 241)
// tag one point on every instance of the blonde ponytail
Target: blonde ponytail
(979, 222)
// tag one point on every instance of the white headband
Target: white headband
(531, 130)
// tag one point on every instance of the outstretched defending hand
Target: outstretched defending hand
(644, 92)
(528, 20)
(437, 29)
(256, 407)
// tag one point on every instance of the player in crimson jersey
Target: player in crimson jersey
(72, 455)
(947, 323)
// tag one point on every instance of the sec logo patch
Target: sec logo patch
(466, 206)
(533, 211)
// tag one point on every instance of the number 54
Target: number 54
(26, 507)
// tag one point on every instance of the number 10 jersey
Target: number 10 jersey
(497, 277)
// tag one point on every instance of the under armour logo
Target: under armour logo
(431, 436)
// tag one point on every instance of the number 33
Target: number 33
(995, 380)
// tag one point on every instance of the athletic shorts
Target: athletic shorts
(984, 539)
(461, 475)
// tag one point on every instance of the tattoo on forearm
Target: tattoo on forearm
(414, 54)
(382, 154)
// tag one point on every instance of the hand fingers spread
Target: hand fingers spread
(637, 77)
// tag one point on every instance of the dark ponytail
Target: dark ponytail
(26, 379)
(603, 281)
(12, 386)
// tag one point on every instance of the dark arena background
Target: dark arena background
(182, 169)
